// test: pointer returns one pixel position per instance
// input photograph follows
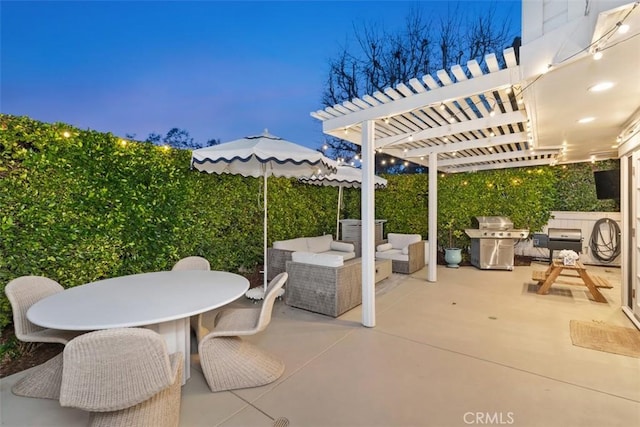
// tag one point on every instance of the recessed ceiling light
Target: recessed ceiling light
(601, 87)
(586, 120)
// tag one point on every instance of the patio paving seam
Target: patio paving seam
(248, 404)
(273, 386)
(507, 366)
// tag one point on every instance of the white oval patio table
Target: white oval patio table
(162, 301)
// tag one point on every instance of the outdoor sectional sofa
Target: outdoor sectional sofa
(280, 253)
(323, 283)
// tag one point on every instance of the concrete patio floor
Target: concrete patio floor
(476, 348)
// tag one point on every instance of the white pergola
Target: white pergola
(541, 110)
(469, 119)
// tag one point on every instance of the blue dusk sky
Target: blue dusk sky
(217, 69)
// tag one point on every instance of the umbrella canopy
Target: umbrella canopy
(255, 155)
(346, 176)
(262, 155)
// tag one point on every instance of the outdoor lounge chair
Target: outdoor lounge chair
(229, 362)
(123, 377)
(43, 381)
(406, 252)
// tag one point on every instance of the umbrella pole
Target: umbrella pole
(338, 214)
(264, 228)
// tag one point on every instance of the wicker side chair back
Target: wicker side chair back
(192, 263)
(44, 380)
(22, 293)
(228, 362)
(123, 377)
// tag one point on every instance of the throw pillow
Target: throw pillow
(384, 247)
(342, 247)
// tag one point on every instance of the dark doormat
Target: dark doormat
(608, 338)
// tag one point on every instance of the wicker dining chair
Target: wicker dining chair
(123, 377)
(228, 361)
(192, 263)
(43, 381)
(195, 263)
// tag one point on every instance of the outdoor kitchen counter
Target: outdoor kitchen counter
(547, 278)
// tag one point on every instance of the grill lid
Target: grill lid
(492, 223)
(565, 234)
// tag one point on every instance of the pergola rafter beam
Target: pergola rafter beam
(462, 89)
(502, 165)
(469, 145)
(456, 128)
(512, 155)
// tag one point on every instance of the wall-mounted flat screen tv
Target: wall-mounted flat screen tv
(607, 184)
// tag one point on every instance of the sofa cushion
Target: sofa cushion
(342, 246)
(392, 254)
(384, 247)
(319, 244)
(327, 260)
(399, 241)
(299, 244)
(345, 255)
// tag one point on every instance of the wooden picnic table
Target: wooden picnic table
(547, 278)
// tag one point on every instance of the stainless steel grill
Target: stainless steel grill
(492, 242)
(564, 238)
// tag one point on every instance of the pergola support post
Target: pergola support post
(433, 217)
(368, 225)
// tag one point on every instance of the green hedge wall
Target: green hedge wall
(79, 205)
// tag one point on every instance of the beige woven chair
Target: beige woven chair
(123, 377)
(42, 381)
(228, 362)
(195, 263)
(192, 263)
